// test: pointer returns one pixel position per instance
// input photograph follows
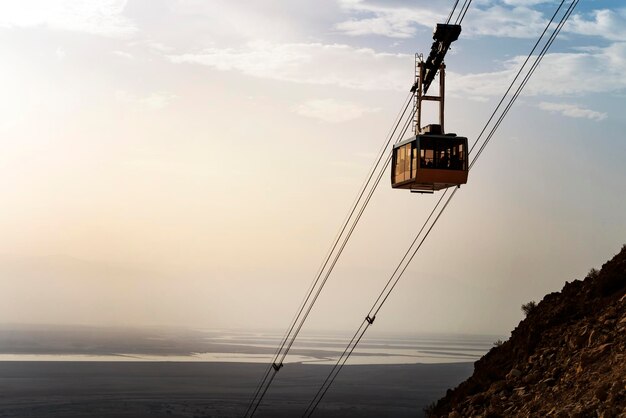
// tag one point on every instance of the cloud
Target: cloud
(572, 111)
(498, 18)
(153, 101)
(580, 71)
(333, 111)
(593, 70)
(60, 53)
(123, 54)
(609, 24)
(99, 17)
(384, 20)
(512, 18)
(525, 2)
(311, 63)
(501, 21)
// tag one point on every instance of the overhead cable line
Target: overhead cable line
(506, 93)
(347, 237)
(452, 11)
(461, 16)
(534, 66)
(301, 315)
(369, 320)
(404, 263)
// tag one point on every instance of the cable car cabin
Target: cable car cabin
(427, 163)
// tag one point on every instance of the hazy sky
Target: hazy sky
(188, 162)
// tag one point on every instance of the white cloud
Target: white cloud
(572, 111)
(595, 70)
(525, 2)
(60, 53)
(512, 18)
(393, 22)
(501, 21)
(123, 54)
(153, 101)
(609, 24)
(503, 18)
(312, 63)
(100, 17)
(333, 111)
(581, 71)
(152, 45)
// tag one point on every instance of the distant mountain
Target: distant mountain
(567, 358)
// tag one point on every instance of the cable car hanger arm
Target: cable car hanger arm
(443, 35)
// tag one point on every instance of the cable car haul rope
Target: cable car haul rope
(437, 153)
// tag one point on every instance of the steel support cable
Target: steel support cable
(380, 174)
(536, 63)
(272, 366)
(321, 269)
(347, 237)
(365, 321)
(355, 204)
(361, 331)
(258, 398)
(346, 221)
(337, 367)
(269, 383)
(459, 16)
(463, 12)
(516, 77)
(452, 11)
(485, 143)
(371, 314)
(427, 219)
(402, 134)
(343, 245)
(490, 136)
(312, 405)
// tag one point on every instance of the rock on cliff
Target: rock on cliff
(567, 358)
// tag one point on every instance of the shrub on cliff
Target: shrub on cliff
(527, 308)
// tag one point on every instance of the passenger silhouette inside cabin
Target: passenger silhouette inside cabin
(443, 160)
(455, 162)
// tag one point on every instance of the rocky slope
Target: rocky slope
(566, 359)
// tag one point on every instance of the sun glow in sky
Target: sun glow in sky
(185, 162)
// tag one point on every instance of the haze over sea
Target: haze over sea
(72, 371)
(82, 343)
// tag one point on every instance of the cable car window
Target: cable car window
(407, 161)
(457, 160)
(413, 162)
(427, 153)
(399, 165)
(403, 168)
(442, 153)
(404, 156)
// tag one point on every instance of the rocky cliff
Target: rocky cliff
(566, 359)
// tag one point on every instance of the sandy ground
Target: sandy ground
(168, 389)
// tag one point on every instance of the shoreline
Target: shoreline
(233, 358)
